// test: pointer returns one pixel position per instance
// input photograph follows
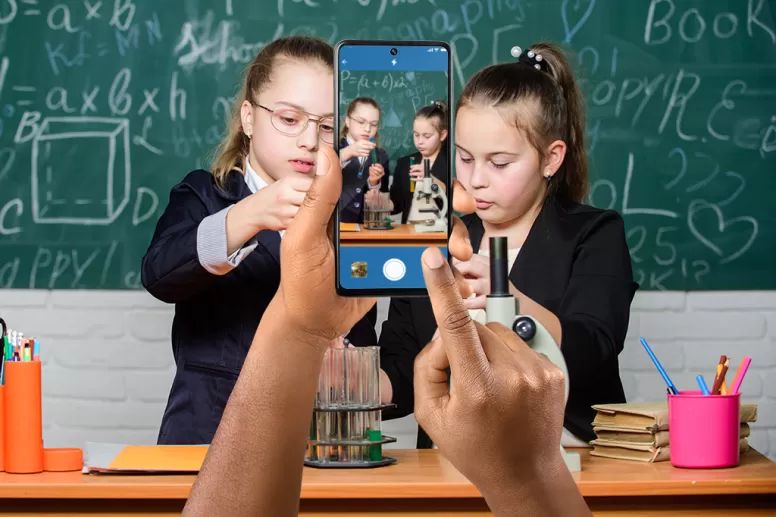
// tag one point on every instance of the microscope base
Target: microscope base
(435, 228)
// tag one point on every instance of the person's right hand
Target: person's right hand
(416, 172)
(278, 203)
(500, 421)
(357, 148)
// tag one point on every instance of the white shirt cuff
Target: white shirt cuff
(211, 245)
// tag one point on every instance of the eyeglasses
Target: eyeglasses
(293, 122)
(362, 122)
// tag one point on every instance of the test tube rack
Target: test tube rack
(345, 431)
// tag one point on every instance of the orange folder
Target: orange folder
(139, 459)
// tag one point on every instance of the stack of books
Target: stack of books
(639, 431)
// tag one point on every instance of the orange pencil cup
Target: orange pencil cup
(23, 440)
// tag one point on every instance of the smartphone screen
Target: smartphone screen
(393, 138)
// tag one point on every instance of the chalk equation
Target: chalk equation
(106, 104)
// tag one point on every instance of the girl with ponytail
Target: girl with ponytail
(520, 156)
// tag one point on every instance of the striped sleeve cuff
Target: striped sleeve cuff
(211, 245)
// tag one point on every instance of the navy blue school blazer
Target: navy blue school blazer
(216, 316)
(575, 263)
(400, 187)
(355, 184)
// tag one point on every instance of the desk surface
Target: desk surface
(399, 232)
(417, 474)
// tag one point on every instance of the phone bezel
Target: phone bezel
(397, 292)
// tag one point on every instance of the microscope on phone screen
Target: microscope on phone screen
(502, 307)
(425, 213)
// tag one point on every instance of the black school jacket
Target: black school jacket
(216, 316)
(400, 188)
(575, 263)
(354, 187)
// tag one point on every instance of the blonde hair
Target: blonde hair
(232, 150)
(352, 107)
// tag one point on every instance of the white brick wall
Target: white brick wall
(108, 362)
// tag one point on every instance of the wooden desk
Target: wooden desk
(399, 235)
(420, 484)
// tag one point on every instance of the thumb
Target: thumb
(456, 328)
(315, 212)
(463, 202)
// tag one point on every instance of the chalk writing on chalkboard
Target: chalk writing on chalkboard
(105, 105)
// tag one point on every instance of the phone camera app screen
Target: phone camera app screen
(393, 144)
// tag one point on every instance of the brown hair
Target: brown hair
(547, 105)
(352, 107)
(231, 152)
(436, 112)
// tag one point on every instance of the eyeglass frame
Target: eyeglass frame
(364, 122)
(309, 117)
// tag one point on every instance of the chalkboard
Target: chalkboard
(400, 95)
(105, 105)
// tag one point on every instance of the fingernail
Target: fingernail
(433, 258)
(323, 165)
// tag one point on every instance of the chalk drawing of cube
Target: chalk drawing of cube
(80, 170)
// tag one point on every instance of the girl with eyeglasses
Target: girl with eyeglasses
(364, 164)
(215, 253)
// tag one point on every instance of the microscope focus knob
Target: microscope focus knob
(524, 327)
(434, 187)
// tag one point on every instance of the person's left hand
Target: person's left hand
(376, 173)
(307, 298)
(476, 272)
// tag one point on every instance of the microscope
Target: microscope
(502, 307)
(425, 214)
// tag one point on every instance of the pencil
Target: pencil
(740, 374)
(722, 368)
(659, 367)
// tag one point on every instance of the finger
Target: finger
(296, 198)
(480, 266)
(463, 202)
(463, 285)
(299, 183)
(478, 302)
(509, 338)
(460, 245)
(455, 326)
(315, 211)
(430, 373)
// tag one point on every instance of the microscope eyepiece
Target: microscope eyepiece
(499, 267)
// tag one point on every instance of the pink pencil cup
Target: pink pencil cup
(704, 430)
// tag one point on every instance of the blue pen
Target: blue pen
(702, 384)
(659, 367)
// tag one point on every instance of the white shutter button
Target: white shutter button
(394, 269)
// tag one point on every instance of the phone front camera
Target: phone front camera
(394, 51)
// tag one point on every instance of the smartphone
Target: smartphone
(393, 123)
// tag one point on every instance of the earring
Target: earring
(548, 177)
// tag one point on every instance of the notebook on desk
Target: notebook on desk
(648, 415)
(110, 458)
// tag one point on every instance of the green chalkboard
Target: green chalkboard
(105, 105)
(400, 95)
